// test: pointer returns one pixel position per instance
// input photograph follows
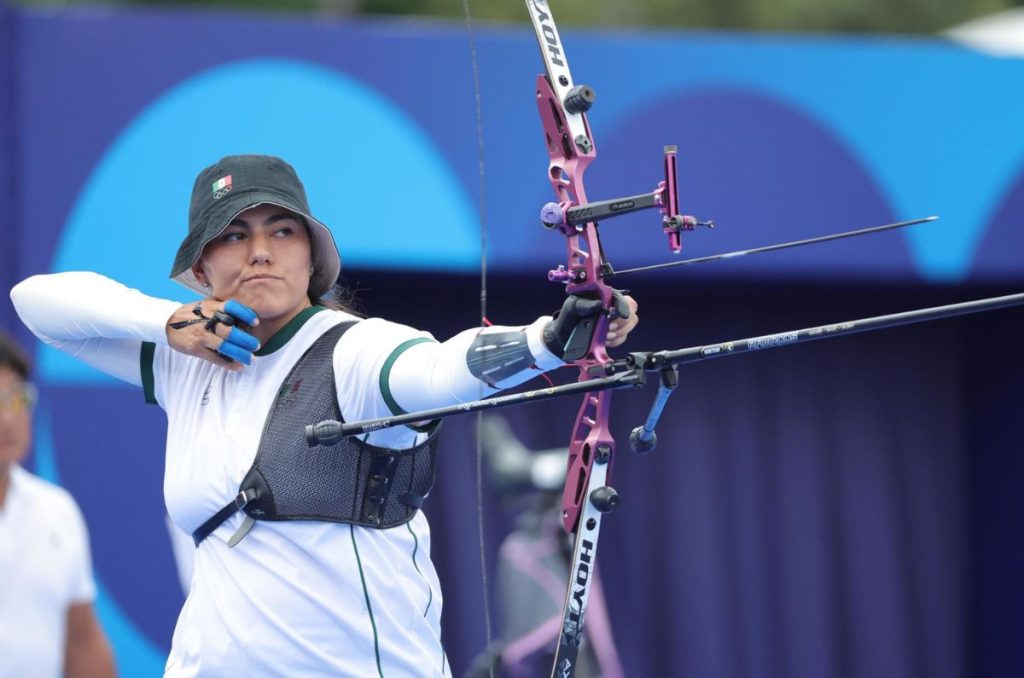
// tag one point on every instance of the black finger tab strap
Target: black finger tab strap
(219, 317)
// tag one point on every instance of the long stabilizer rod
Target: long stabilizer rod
(697, 353)
(643, 438)
(630, 371)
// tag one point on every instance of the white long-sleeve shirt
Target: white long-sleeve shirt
(293, 598)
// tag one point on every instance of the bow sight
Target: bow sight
(569, 217)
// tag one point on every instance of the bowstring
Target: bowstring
(483, 323)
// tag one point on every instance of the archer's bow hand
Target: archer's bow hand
(623, 323)
(569, 333)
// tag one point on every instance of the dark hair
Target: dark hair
(13, 357)
(338, 298)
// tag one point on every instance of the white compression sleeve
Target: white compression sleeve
(93, 318)
(430, 375)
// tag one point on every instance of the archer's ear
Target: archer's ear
(199, 273)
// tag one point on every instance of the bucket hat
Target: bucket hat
(232, 185)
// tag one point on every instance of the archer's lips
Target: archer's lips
(260, 278)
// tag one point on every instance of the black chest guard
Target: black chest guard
(348, 482)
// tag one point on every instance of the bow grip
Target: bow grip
(579, 341)
(582, 335)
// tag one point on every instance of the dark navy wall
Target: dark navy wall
(10, 230)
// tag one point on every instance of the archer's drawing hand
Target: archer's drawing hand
(212, 330)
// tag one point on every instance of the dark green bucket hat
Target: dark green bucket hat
(234, 184)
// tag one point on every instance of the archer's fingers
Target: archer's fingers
(223, 361)
(206, 345)
(235, 352)
(243, 340)
(236, 336)
(620, 328)
(617, 337)
(241, 312)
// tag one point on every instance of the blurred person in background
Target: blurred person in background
(533, 566)
(308, 560)
(47, 623)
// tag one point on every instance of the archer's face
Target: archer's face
(15, 418)
(262, 259)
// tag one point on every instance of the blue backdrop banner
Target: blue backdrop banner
(107, 115)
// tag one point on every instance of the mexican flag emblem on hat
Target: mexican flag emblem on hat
(221, 186)
(262, 179)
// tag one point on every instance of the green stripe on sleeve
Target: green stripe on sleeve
(146, 355)
(385, 373)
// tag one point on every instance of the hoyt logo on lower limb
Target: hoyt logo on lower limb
(579, 592)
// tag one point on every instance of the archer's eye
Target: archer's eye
(232, 236)
(284, 231)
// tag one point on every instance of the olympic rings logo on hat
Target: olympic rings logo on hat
(221, 187)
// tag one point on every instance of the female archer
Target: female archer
(309, 561)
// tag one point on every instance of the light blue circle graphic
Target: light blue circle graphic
(362, 160)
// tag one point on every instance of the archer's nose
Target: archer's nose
(259, 249)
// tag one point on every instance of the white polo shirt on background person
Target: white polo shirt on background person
(45, 568)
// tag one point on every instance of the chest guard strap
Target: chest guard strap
(347, 482)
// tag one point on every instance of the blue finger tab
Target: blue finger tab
(243, 339)
(235, 352)
(240, 311)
